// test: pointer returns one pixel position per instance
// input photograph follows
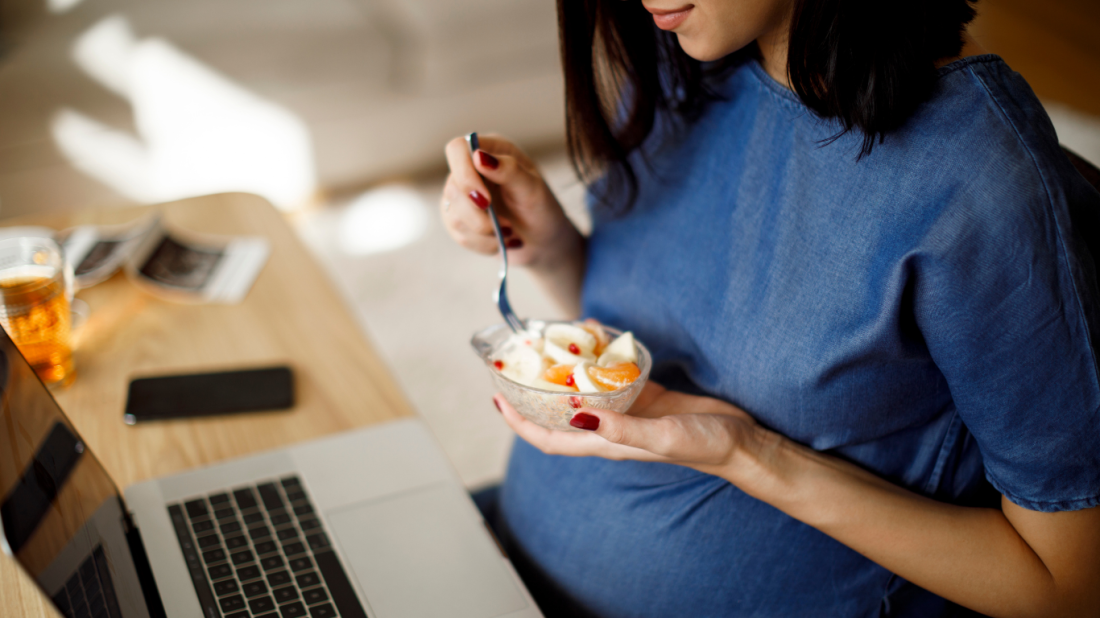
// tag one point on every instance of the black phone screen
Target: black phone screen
(207, 394)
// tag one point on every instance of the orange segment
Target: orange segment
(596, 330)
(614, 376)
(559, 374)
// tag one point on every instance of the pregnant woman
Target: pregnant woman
(845, 235)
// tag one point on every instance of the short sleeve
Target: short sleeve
(1005, 297)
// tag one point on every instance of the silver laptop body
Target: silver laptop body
(405, 530)
(369, 523)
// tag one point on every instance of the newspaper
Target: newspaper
(167, 262)
(97, 251)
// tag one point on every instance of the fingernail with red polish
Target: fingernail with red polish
(505, 231)
(514, 243)
(479, 199)
(488, 160)
(582, 420)
(497, 404)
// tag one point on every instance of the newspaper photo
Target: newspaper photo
(178, 266)
(188, 267)
(97, 251)
(167, 262)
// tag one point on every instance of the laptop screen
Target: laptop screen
(61, 514)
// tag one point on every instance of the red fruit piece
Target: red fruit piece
(576, 402)
(570, 381)
(559, 374)
(573, 349)
(499, 365)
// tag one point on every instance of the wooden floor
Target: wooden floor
(1054, 44)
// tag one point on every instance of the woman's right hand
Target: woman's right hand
(536, 230)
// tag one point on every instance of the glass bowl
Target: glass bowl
(554, 409)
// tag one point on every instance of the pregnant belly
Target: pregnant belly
(642, 539)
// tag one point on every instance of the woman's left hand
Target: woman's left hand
(698, 432)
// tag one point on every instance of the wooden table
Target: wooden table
(292, 315)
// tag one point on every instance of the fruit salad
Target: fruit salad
(577, 357)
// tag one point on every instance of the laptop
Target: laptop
(372, 523)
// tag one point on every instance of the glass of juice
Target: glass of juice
(35, 284)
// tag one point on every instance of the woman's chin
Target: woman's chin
(704, 50)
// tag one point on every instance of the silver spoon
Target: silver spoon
(500, 297)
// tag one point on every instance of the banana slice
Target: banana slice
(521, 363)
(532, 338)
(566, 335)
(561, 355)
(584, 382)
(621, 350)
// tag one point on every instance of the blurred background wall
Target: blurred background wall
(105, 102)
(1055, 45)
(337, 112)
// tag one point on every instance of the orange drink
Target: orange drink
(34, 305)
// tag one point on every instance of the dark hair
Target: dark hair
(866, 63)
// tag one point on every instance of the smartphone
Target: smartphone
(207, 394)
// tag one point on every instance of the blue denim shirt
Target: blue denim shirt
(926, 312)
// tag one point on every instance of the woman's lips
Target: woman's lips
(667, 20)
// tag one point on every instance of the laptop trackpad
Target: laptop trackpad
(424, 554)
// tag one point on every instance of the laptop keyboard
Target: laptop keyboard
(89, 593)
(260, 552)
